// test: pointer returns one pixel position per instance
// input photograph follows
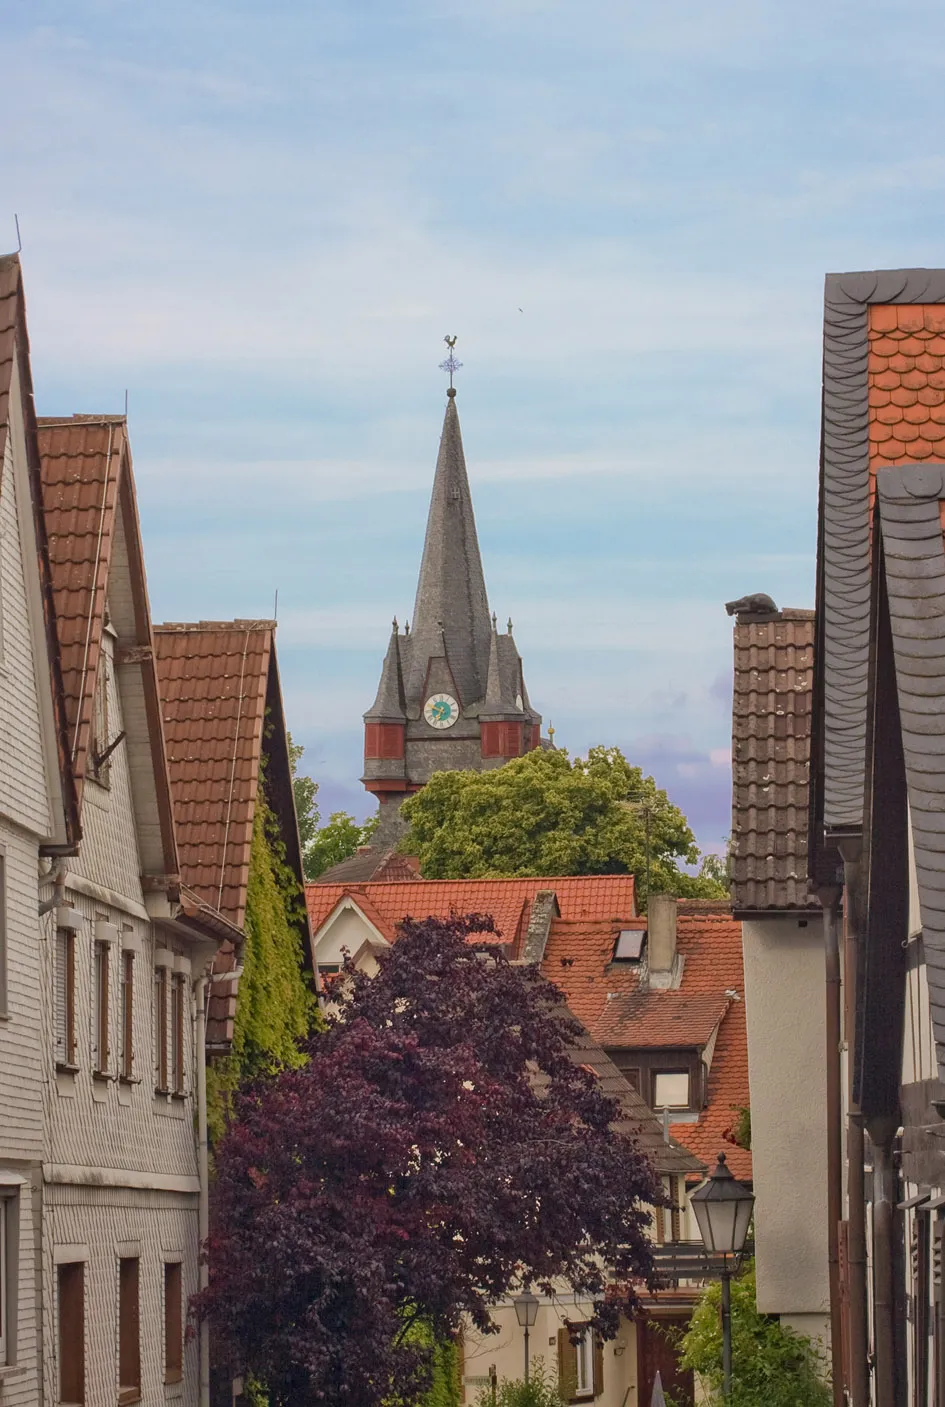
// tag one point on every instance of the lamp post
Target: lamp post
(526, 1312)
(723, 1209)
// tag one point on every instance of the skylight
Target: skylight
(629, 946)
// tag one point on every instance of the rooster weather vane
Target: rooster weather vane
(452, 362)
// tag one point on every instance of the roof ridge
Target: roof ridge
(205, 625)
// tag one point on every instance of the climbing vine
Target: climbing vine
(276, 1007)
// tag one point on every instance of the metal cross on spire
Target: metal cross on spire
(452, 362)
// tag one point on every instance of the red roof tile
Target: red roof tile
(906, 372)
(578, 960)
(213, 679)
(507, 900)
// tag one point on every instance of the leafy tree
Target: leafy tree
(441, 1146)
(546, 814)
(338, 838)
(772, 1366)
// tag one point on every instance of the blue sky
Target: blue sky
(262, 219)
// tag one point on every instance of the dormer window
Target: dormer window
(629, 945)
(670, 1089)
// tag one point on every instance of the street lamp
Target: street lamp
(526, 1312)
(723, 1209)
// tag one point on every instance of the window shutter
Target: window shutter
(62, 994)
(567, 1365)
(598, 1365)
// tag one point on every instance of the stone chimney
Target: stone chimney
(661, 939)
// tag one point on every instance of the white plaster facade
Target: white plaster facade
(786, 1013)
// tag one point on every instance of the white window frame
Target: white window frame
(670, 1075)
(6, 1276)
(584, 1365)
(101, 1003)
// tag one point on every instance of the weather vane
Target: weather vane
(452, 362)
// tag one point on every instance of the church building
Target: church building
(452, 694)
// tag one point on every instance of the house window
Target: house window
(3, 934)
(326, 972)
(160, 1029)
(671, 1089)
(129, 1338)
(173, 1323)
(71, 1284)
(584, 1365)
(177, 1034)
(629, 945)
(65, 997)
(127, 1014)
(100, 1013)
(100, 769)
(9, 1211)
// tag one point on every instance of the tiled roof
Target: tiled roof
(81, 468)
(372, 864)
(578, 960)
(14, 343)
(638, 1121)
(771, 735)
(907, 382)
(508, 900)
(677, 1019)
(213, 678)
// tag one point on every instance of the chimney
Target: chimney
(661, 939)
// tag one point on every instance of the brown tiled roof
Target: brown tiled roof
(371, 864)
(213, 679)
(670, 1019)
(578, 960)
(81, 468)
(906, 383)
(771, 732)
(638, 1121)
(14, 345)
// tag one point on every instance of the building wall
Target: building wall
(506, 1350)
(24, 822)
(120, 1166)
(785, 1008)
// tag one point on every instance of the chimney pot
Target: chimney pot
(661, 935)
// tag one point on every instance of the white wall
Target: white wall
(786, 1010)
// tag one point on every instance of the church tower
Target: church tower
(452, 694)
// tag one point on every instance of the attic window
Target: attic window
(629, 945)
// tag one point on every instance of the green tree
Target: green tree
(541, 1390)
(338, 838)
(772, 1366)
(546, 814)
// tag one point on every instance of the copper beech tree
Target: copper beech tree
(441, 1147)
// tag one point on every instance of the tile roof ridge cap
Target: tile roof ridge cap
(205, 626)
(82, 418)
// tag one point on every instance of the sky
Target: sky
(260, 220)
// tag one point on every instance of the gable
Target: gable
(99, 584)
(37, 778)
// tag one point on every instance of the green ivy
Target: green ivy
(276, 1008)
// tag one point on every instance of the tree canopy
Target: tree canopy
(442, 1145)
(328, 844)
(546, 814)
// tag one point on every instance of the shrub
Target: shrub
(772, 1366)
(541, 1390)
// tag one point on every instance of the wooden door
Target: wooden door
(656, 1352)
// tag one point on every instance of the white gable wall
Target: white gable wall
(345, 930)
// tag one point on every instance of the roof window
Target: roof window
(629, 945)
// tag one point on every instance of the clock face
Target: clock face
(441, 710)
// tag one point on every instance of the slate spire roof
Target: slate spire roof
(451, 599)
(389, 704)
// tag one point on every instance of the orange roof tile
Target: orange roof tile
(906, 372)
(81, 468)
(507, 900)
(213, 679)
(578, 960)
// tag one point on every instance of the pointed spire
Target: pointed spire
(451, 591)
(389, 704)
(510, 625)
(493, 701)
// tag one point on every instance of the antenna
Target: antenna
(19, 239)
(275, 606)
(126, 402)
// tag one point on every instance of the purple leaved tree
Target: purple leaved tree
(441, 1146)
